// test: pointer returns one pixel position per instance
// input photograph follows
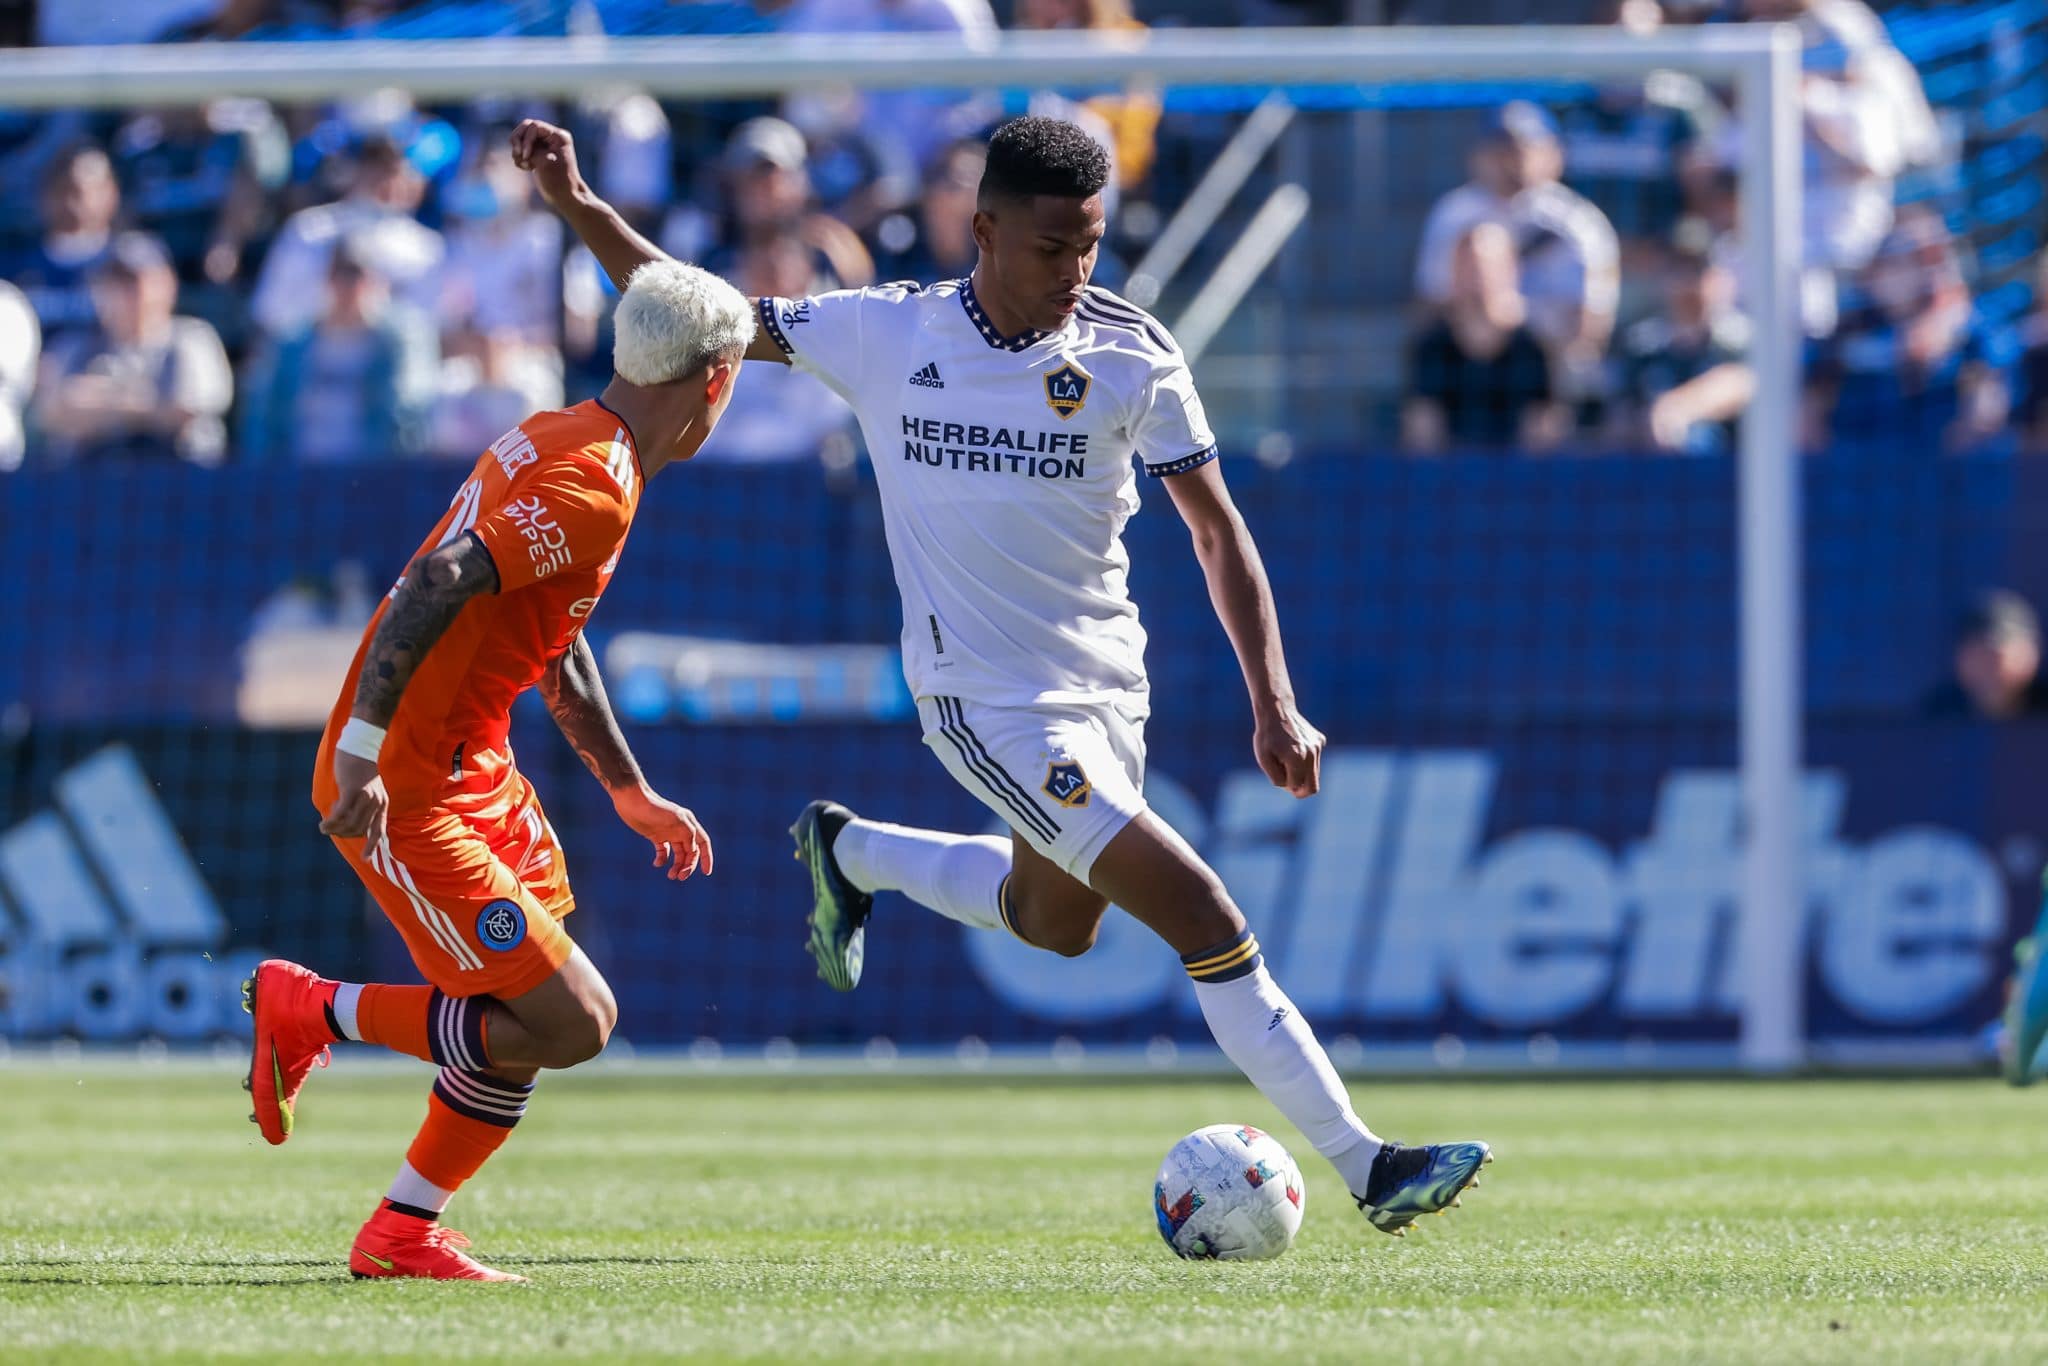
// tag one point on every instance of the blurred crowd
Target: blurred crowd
(1584, 286)
(370, 278)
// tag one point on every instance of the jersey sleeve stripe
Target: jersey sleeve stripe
(1102, 318)
(1108, 304)
(767, 307)
(469, 504)
(1192, 461)
(619, 463)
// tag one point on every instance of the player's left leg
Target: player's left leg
(851, 859)
(962, 877)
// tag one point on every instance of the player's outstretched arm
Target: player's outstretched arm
(575, 694)
(549, 153)
(1289, 749)
(422, 608)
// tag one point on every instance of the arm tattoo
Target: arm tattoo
(574, 692)
(425, 605)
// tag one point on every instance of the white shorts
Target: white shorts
(1066, 778)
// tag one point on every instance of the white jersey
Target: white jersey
(1006, 477)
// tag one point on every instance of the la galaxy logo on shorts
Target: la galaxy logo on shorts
(501, 925)
(1066, 390)
(1066, 784)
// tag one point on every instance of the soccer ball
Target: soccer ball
(1228, 1192)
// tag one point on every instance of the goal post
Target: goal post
(1761, 62)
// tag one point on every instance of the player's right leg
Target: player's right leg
(511, 995)
(1066, 781)
(1150, 871)
(478, 1097)
(489, 1051)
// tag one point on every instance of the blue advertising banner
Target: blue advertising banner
(1490, 885)
(1461, 589)
(1529, 827)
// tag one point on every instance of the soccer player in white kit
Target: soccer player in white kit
(1002, 414)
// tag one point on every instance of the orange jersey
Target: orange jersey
(551, 500)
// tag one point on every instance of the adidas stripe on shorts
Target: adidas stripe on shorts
(1067, 778)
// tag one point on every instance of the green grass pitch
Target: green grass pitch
(663, 1215)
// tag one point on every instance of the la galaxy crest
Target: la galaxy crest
(1066, 784)
(1066, 390)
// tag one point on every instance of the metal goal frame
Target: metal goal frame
(1761, 62)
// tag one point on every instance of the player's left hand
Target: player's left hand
(680, 844)
(1289, 750)
(550, 154)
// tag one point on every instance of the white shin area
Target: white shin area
(1260, 1031)
(959, 876)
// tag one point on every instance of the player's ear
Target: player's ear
(984, 228)
(718, 378)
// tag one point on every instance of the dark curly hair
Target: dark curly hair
(1033, 156)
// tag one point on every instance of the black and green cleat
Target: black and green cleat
(1410, 1182)
(839, 913)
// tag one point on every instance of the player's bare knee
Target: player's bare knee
(1064, 924)
(1203, 915)
(584, 1035)
(1071, 943)
(1215, 923)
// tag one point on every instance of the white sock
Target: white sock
(959, 876)
(410, 1188)
(346, 995)
(1259, 1029)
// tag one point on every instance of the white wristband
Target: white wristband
(361, 739)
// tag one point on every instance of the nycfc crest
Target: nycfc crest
(501, 925)
(1066, 390)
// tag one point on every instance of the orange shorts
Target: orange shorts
(477, 885)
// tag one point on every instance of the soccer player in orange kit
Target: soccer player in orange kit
(418, 788)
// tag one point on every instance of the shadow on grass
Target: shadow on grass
(242, 1281)
(86, 1271)
(610, 1260)
(90, 1271)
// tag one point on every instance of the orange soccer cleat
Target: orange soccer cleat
(292, 1035)
(393, 1243)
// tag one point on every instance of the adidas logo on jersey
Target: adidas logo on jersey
(929, 376)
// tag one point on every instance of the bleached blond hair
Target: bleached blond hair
(674, 320)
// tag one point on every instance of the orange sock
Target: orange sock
(469, 1117)
(418, 1021)
(395, 1018)
(450, 1147)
